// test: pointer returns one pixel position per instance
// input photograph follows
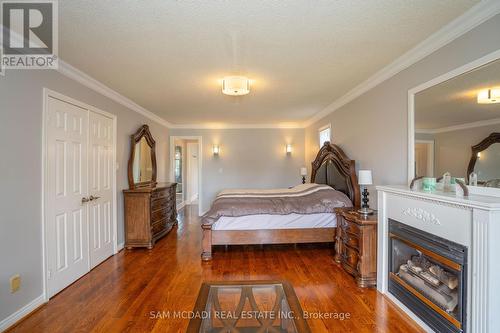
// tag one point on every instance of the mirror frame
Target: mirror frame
(438, 80)
(142, 132)
(483, 145)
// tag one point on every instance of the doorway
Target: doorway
(424, 158)
(186, 165)
(79, 196)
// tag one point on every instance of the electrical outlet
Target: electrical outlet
(15, 283)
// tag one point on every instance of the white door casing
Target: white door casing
(100, 188)
(66, 215)
(192, 172)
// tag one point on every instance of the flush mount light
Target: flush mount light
(489, 96)
(235, 85)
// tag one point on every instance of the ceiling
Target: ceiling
(454, 102)
(168, 56)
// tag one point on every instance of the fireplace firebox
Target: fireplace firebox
(428, 274)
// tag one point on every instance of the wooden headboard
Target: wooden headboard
(332, 167)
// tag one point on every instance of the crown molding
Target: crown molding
(474, 124)
(238, 126)
(478, 14)
(88, 81)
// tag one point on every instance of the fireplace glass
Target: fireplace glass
(428, 274)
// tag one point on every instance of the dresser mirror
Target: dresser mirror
(485, 161)
(454, 119)
(142, 161)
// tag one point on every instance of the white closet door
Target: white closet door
(66, 215)
(100, 187)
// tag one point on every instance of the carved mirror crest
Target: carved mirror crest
(142, 161)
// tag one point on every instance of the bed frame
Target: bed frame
(332, 167)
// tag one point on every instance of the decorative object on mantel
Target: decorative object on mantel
(303, 173)
(473, 179)
(365, 178)
(416, 183)
(461, 188)
(429, 184)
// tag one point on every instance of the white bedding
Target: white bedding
(265, 221)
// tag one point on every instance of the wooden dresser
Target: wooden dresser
(150, 213)
(356, 245)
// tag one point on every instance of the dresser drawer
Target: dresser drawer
(350, 239)
(161, 193)
(158, 227)
(350, 227)
(157, 204)
(159, 215)
(350, 256)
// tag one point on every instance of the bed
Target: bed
(302, 214)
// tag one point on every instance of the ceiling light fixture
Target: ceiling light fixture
(489, 96)
(235, 85)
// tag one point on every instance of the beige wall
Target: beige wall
(21, 196)
(373, 128)
(249, 158)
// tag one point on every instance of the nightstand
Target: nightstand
(356, 245)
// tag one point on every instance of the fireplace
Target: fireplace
(428, 274)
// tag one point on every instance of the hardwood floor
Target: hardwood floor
(121, 294)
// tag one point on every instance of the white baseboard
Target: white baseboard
(21, 313)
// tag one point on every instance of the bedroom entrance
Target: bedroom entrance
(185, 157)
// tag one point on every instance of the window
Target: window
(324, 134)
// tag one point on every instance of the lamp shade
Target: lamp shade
(365, 177)
(303, 171)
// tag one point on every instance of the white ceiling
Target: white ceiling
(168, 56)
(454, 102)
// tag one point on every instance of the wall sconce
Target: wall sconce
(288, 149)
(479, 155)
(216, 150)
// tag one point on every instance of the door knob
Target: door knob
(85, 200)
(93, 198)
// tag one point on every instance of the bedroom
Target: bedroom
(303, 73)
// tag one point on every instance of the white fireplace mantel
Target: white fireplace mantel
(472, 221)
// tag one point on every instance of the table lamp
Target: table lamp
(303, 173)
(365, 179)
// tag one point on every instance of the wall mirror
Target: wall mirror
(454, 125)
(142, 161)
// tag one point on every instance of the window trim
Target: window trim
(321, 129)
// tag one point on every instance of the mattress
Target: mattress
(267, 221)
